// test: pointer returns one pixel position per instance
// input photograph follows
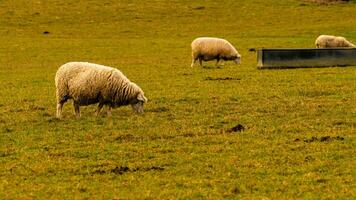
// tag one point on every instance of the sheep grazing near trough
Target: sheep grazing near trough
(88, 83)
(329, 41)
(209, 48)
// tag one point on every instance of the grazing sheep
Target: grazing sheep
(209, 48)
(325, 41)
(88, 83)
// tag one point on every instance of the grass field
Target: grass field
(299, 137)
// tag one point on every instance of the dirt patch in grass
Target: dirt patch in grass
(320, 139)
(237, 128)
(119, 170)
(324, 2)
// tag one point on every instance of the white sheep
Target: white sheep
(209, 48)
(325, 41)
(88, 83)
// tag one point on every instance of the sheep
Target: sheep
(325, 41)
(209, 48)
(89, 83)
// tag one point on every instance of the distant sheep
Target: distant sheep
(209, 48)
(88, 83)
(325, 41)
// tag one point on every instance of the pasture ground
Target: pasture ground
(299, 137)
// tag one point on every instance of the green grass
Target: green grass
(181, 147)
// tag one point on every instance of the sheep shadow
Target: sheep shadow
(211, 67)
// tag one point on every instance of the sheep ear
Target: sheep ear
(141, 97)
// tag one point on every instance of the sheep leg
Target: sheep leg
(193, 61)
(217, 62)
(59, 110)
(201, 62)
(61, 99)
(100, 106)
(109, 111)
(76, 109)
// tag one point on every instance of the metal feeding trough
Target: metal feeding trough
(294, 58)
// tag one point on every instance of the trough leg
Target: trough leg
(76, 109)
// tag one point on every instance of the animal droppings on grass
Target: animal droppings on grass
(221, 79)
(237, 128)
(45, 32)
(321, 139)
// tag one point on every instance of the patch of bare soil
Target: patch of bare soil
(237, 128)
(320, 139)
(325, 2)
(222, 79)
(119, 170)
